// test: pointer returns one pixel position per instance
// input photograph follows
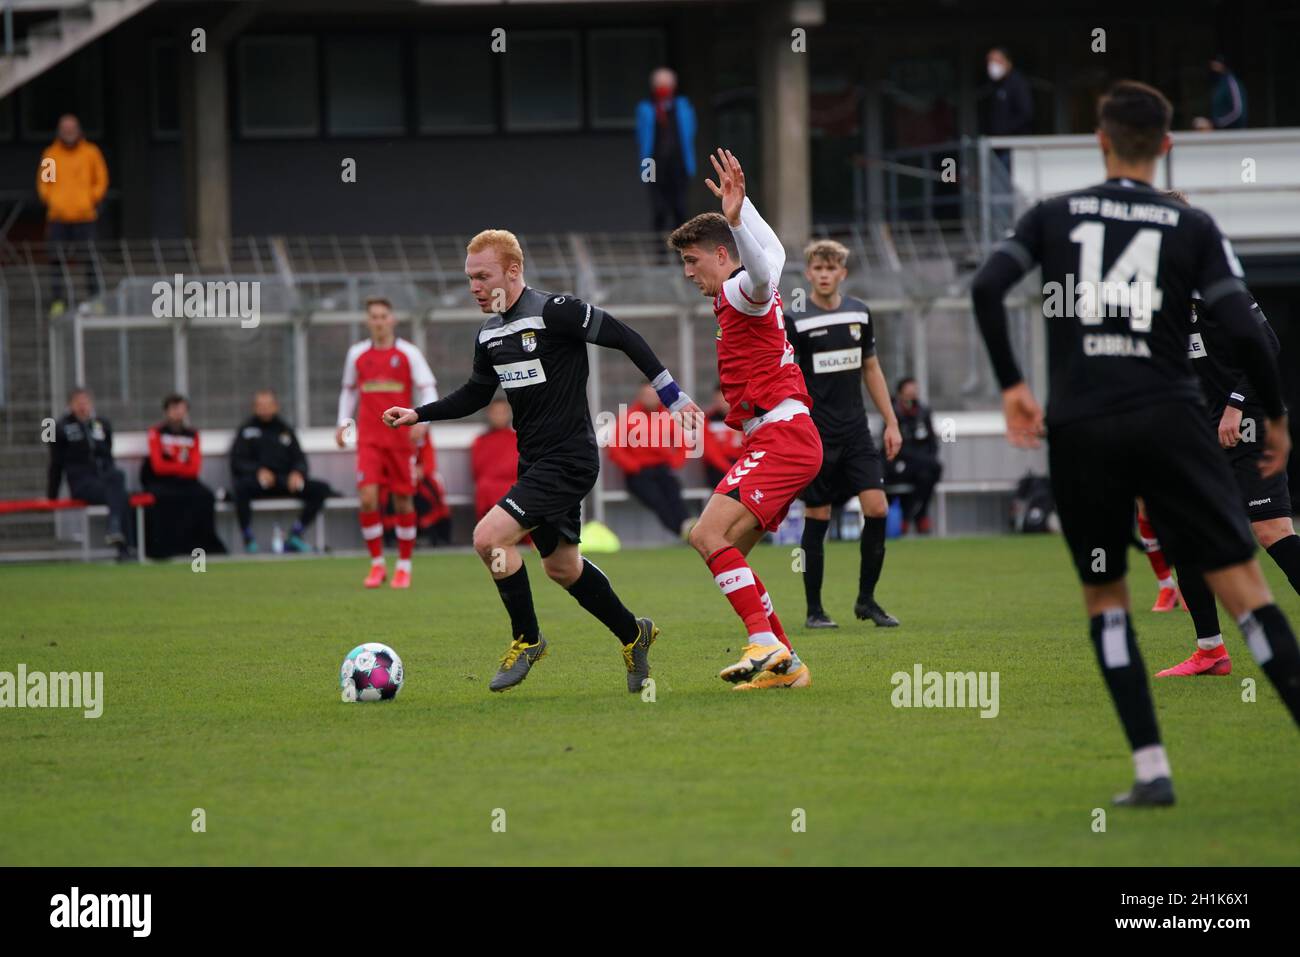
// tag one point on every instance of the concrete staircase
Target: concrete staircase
(39, 34)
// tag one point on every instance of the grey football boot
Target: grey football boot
(516, 663)
(636, 654)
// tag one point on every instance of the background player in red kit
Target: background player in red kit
(384, 371)
(737, 259)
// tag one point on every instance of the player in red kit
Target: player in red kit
(737, 259)
(379, 372)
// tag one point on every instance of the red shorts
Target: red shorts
(776, 463)
(391, 466)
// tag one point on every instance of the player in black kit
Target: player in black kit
(1237, 416)
(534, 345)
(1126, 418)
(835, 341)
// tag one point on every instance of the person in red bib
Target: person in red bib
(379, 372)
(494, 458)
(649, 449)
(736, 259)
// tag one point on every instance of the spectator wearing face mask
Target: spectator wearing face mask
(1012, 110)
(665, 132)
(1011, 105)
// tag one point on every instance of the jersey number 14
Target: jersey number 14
(1128, 286)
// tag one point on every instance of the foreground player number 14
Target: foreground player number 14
(1130, 282)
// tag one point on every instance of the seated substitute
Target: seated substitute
(267, 461)
(648, 453)
(183, 517)
(918, 461)
(83, 450)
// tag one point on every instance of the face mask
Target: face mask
(997, 71)
(663, 92)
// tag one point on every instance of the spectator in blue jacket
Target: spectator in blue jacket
(665, 132)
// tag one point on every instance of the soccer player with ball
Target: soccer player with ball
(534, 345)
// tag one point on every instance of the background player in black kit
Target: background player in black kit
(1236, 414)
(1125, 412)
(835, 341)
(534, 345)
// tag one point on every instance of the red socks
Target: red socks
(405, 535)
(1150, 545)
(372, 530)
(745, 592)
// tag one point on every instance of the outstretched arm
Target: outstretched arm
(761, 252)
(581, 319)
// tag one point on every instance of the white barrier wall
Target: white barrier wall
(1248, 180)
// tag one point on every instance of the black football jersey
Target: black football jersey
(831, 346)
(537, 351)
(1120, 265)
(1213, 359)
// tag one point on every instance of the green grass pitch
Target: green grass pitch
(221, 694)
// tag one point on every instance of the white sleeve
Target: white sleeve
(767, 238)
(424, 387)
(761, 253)
(348, 393)
(756, 280)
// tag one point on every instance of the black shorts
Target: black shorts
(547, 499)
(850, 464)
(1169, 456)
(1264, 498)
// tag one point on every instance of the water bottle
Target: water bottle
(277, 540)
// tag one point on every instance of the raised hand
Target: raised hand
(730, 187)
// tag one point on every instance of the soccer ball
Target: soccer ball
(371, 672)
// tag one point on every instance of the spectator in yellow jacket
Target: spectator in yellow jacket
(71, 182)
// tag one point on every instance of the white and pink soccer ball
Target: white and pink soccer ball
(371, 672)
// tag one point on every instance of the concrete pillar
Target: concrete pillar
(205, 135)
(205, 132)
(786, 189)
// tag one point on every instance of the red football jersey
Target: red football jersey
(756, 363)
(374, 380)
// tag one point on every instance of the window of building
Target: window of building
(363, 83)
(619, 63)
(279, 92)
(164, 94)
(455, 84)
(74, 86)
(542, 81)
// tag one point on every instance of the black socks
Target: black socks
(1121, 665)
(595, 594)
(518, 599)
(1286, 552)
(1273, 644)
(813, 544)
(1200, 602)
(872, 546)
